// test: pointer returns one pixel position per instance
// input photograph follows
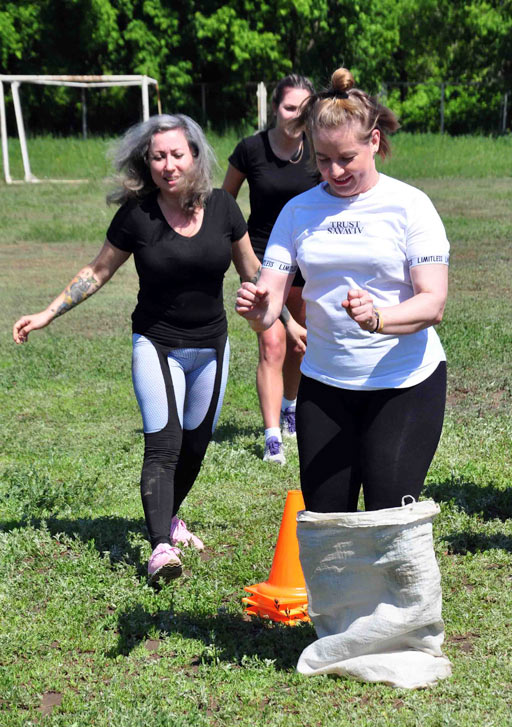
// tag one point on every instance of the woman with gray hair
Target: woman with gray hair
(183, 235)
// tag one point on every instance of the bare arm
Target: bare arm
(245, 261)
(233, 181)
(249, 268)
(85, 283)
(262, 303)
(425, 308)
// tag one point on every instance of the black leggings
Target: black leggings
(382, 440)
(173, 455)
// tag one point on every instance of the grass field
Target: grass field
(83, 639)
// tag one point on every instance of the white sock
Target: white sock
(288, 403)
(273, 432)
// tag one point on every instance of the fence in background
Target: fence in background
(206, 94)
(219, 106)
(501, 117)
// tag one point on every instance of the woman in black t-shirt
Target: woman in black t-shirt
(275, 164)
(183, 236)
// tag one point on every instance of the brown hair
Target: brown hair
(341, 105)
(291, 81)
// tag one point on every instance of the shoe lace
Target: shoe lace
(181, 534)
(289, 418)
(274, 445)
(179, 531)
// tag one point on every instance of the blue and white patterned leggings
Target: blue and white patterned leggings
(180, 393)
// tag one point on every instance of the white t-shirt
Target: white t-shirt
(368, 241)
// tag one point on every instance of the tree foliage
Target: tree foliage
(207, 51)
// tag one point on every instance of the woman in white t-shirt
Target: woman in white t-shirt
(374, 256)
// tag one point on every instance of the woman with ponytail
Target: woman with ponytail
(374, 256)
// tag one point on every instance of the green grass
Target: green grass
(414, 156)
(74, 158)
(79, 625)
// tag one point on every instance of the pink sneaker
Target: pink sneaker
(180, 534)
(164, 563)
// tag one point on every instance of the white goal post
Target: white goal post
(76, 81)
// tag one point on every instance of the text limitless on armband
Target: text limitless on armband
(279, 266)
(426, 259)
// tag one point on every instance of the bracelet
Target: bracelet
(380, 327)
(380, 321)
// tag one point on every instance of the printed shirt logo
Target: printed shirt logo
(429, 259)
(345, 227)
(279, 266)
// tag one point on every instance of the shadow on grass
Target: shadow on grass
(227, 637)
(467, 542)
(487, 501)
(110, 535)
(227, 432)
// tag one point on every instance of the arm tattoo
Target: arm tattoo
(78, 290)
(284, 316)
(256, 277)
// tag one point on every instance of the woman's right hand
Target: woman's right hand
(85, 283)
(252, 301)
(25, 324)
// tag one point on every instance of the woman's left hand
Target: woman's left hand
(359, 306)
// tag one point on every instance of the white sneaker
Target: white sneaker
(288, 422)
(274, 451)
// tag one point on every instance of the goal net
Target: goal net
(75, 81)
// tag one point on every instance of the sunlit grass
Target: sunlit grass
(438, 156)
(79, 624)
(413, 156)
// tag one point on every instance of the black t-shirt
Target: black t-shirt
(180, 299)
(272, 182)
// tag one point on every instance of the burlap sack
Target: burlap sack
(374, 595)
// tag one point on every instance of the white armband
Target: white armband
(280, 267)
(428, 260)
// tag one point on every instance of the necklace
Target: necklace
(274, 145)
(295, 158)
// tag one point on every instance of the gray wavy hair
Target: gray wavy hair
(129, 157)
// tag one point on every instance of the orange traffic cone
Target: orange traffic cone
(283, 597)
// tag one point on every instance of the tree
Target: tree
(218, 49)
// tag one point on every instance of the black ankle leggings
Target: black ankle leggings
(173, 455)
(382, 440)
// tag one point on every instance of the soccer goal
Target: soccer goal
(75, 81)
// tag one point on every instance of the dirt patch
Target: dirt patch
(464, 642)
(152, 645)
(49, 701)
